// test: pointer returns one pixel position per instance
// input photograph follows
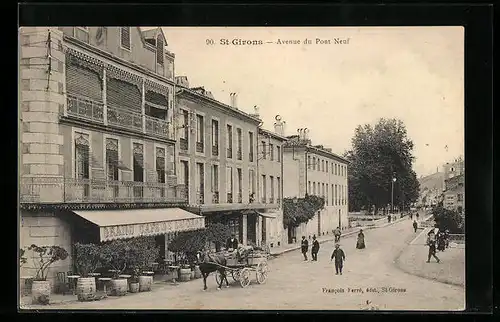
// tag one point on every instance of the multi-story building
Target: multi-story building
(218, 160)
(97, 148)
(454, 194)
(454, 168)
(318, 171)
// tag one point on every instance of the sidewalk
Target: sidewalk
(276, 251)
(450, 270)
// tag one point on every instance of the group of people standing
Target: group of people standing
(437, 241)
(338, 254)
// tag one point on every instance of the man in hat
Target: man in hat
(431, 242)
(415, 225)
(339, 256)
(315, 249)
(232, 243)
(304, 246)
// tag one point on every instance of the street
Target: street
(295, 284)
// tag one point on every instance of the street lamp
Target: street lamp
(392, 194)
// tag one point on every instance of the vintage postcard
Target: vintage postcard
(241, 168)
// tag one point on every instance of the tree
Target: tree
(378, 154)
(448, 219)
(190, 242)
(301, 210)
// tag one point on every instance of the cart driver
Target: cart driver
(232, 243)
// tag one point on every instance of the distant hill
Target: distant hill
(434, 181)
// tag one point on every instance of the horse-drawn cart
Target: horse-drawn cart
(241, 267)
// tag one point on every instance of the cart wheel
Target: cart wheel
(245, 277)
(218, 277)
(236, 275)
(261, 272)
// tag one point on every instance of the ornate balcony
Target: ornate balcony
(200, 147)
(215, 150)
(124, 118)
(85, 108)
(158, 127)
(61, 190)
(215, 197)
(184, 143)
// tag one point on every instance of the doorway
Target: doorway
(264, 240)
(251, 229)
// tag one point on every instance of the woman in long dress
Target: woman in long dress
(360, 244)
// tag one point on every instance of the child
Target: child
(339, 256)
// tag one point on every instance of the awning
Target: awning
(272, 215)
(120, 224)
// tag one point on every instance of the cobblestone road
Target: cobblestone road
(296, 284)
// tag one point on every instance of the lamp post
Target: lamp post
(392, 193)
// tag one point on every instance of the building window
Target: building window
(278, 152)
(333, 196)
(125, 37)
(239, 183)
(309, 162)
(322, 165)
(229, 184)
(199, 134)
(215, 137)
(271, 152)
(263, 188)
(459, 197)
(112, 159)
(250, 154)
(82, 156)
(323, 190)
(215, 183)
(271, 187)
(251, 181)
(314, 188)
(184, 141)
(138, 168)
(229, 141)
(159, 50)
(278, 182)
(160, 165)
(263, 149)
(239, 144)
(336, 196)
(327, 196)
(336, 172)
(326, 166)
(314, 163)
(200, 182)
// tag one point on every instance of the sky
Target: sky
(415, 74)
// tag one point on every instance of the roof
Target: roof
(219, 104)
(152, 33)
(273, 134)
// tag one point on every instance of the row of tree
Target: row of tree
(380, 153)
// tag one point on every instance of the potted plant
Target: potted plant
(115, 255)
(86, 261)
(133, 286)
(143, 253)
(44, 257)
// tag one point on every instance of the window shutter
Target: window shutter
(125, 37)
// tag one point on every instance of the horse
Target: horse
(209, 263)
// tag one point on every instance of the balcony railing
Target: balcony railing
(124, 118)
(271, 200)
(157, 127)
(85, 108)
(200, 197)
(229, 197)
(200, 147)
(215, 150)
(215, 197)
(59, 190)
(183, 144)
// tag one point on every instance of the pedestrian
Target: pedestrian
(447, 238)
(415, 225)
(431, 242)
(411, 215)
(304, 245)
(315, 249)
(389, 218)
(339, 256)
(360, 244)
(337, 232)
(441, 243)
(417, 215)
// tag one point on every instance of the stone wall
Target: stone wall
(45, 229)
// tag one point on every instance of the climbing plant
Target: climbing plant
(300, 210)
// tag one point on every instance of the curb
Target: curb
(343, 235)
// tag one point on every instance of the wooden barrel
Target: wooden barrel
(40, 292)
(185, 274)
(86, 289)
(119, 287)
(145, 283)
(197, 272)
(133, 287)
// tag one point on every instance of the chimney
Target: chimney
(256, 112)
(233, 100)
(279, 126)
